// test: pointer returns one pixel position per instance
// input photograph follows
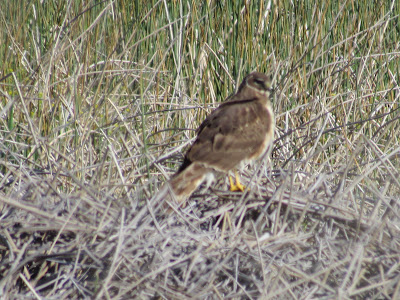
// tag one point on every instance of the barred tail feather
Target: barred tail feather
(185, 182)
(179, 188)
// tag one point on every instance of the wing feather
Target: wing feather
(232, 133)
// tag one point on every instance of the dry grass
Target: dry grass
(98, 104)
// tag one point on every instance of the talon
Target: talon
(237, 186)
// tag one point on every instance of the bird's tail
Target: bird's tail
(179, 188)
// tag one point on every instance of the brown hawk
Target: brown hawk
(239, 131)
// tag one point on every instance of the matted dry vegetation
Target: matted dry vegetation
(99, 102)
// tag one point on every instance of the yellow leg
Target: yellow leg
(236, 186)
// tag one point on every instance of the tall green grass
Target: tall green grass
(78, 67)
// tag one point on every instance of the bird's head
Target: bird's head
(258, 82)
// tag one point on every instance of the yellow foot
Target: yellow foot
(236, 186)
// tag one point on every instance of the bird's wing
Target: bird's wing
(232, 133)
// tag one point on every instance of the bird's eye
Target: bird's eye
(261, 83)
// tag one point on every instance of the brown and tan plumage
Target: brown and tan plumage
(240, 130)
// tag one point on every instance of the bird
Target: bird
(238, 132)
